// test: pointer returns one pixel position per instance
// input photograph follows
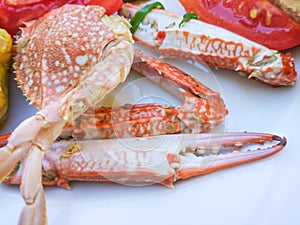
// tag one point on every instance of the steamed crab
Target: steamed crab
(67, 62)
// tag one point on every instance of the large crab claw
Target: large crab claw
(213, 45)
(202, 108)
(157, 159)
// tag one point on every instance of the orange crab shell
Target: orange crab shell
(55, 51)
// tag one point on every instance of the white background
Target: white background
(261, 193)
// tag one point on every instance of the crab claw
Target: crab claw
(227, 152)
(201, 109)
(160, 159)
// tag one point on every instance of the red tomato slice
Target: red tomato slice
(21, 2)
(111, 6)
(13, 13)
(259, 20)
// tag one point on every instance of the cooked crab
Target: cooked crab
(66, 62)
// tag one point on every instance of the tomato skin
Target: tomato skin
(111, 6)
(259, 21)
(12, 17)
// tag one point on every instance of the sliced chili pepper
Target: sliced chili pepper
(187, 17)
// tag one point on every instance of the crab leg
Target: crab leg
(202, 108)
(150, 160)
(212, 45)
(35, 135)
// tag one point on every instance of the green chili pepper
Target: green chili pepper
(187, 17)
(141, 14)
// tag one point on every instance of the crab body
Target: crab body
(49, 67)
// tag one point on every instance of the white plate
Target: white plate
(264, 192)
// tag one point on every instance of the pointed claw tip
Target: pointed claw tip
(282, 140)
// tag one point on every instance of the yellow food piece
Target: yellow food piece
(5, 56)
(253, 13)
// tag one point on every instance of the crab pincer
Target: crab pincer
(201, 110)
(145, 160)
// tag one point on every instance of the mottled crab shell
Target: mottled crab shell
(56, 51)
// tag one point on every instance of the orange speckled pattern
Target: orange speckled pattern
(73, 40)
